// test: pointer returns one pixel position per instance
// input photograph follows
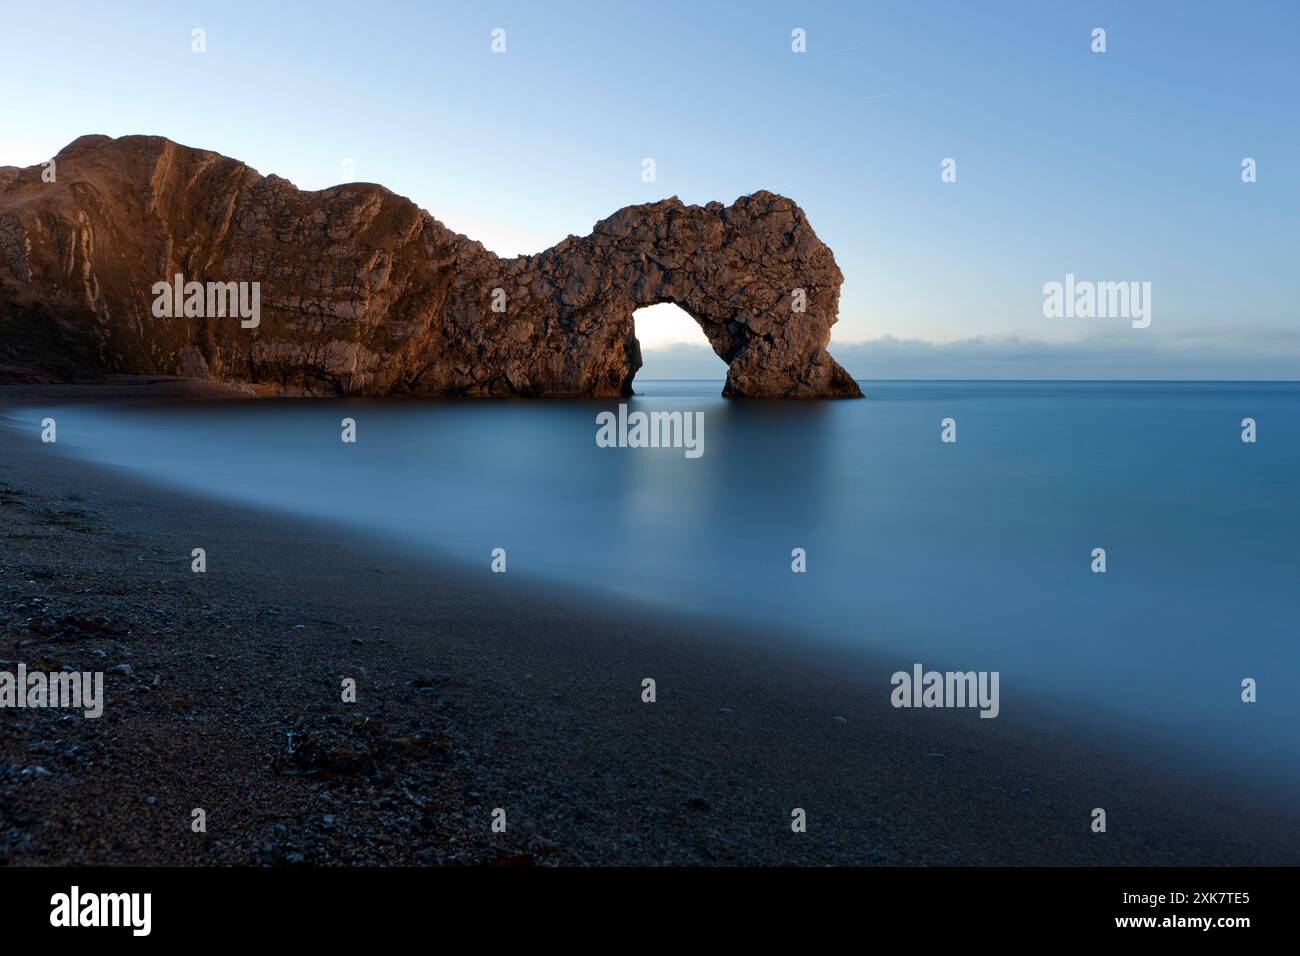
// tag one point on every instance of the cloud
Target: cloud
(1272, 355)
(680, 360)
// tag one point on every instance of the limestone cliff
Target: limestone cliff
(364, 293)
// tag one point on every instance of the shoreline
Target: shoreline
(478, 691)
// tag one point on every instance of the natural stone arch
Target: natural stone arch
(363, 292)
(733, 269)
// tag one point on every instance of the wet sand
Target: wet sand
(478, 691)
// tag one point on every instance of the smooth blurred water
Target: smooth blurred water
(971, 556)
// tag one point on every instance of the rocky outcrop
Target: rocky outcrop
(359, 291)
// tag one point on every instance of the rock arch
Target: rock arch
(362, 292)
(733, 269)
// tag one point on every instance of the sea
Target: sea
(979, 553)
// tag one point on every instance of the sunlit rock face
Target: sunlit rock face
(358, 291)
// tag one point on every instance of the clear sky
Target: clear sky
(1119, 166)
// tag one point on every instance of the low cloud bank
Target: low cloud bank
(1268, 356)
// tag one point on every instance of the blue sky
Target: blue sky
(1117, 166)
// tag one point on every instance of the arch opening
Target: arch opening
(673, 347)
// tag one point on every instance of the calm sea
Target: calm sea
(974, 555)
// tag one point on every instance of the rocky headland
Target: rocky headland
(358, 291)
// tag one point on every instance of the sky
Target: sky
(1115, 167)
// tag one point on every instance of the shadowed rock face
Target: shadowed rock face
(362, 292)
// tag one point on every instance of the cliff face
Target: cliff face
(362, 292)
